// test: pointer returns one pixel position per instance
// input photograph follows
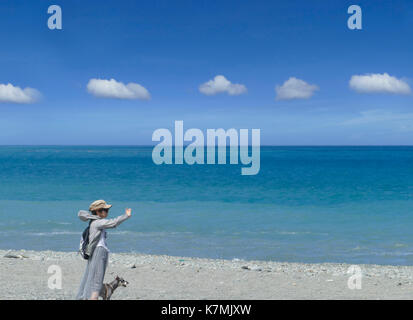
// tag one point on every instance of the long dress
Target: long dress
(92, 280)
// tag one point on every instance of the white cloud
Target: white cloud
(12, 94)
(295, 88)
(378, 83)
(220, 84)
(113, 89)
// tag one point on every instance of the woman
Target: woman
(97, 249)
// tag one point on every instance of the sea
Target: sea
(306, 204)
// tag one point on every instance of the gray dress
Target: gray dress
(92, 280)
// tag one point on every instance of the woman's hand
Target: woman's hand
(128, 211)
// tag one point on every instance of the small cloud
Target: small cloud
(378, 83)
(295, 88)
(220, 84)
(12, 94)
(102, 88)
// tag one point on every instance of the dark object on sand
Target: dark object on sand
(14, 256)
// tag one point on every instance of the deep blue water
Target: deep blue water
(307, 204)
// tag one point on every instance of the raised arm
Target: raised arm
(112, 223)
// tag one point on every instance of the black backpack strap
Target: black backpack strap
(90, 221)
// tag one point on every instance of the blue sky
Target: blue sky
(171, 48)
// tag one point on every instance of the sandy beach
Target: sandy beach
(24, 275)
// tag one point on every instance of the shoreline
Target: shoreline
(25, 273)
(137, 254)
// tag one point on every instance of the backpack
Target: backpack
(84, 242)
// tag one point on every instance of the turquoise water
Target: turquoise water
(307, 204)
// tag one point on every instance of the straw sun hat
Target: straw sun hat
(99, 204)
